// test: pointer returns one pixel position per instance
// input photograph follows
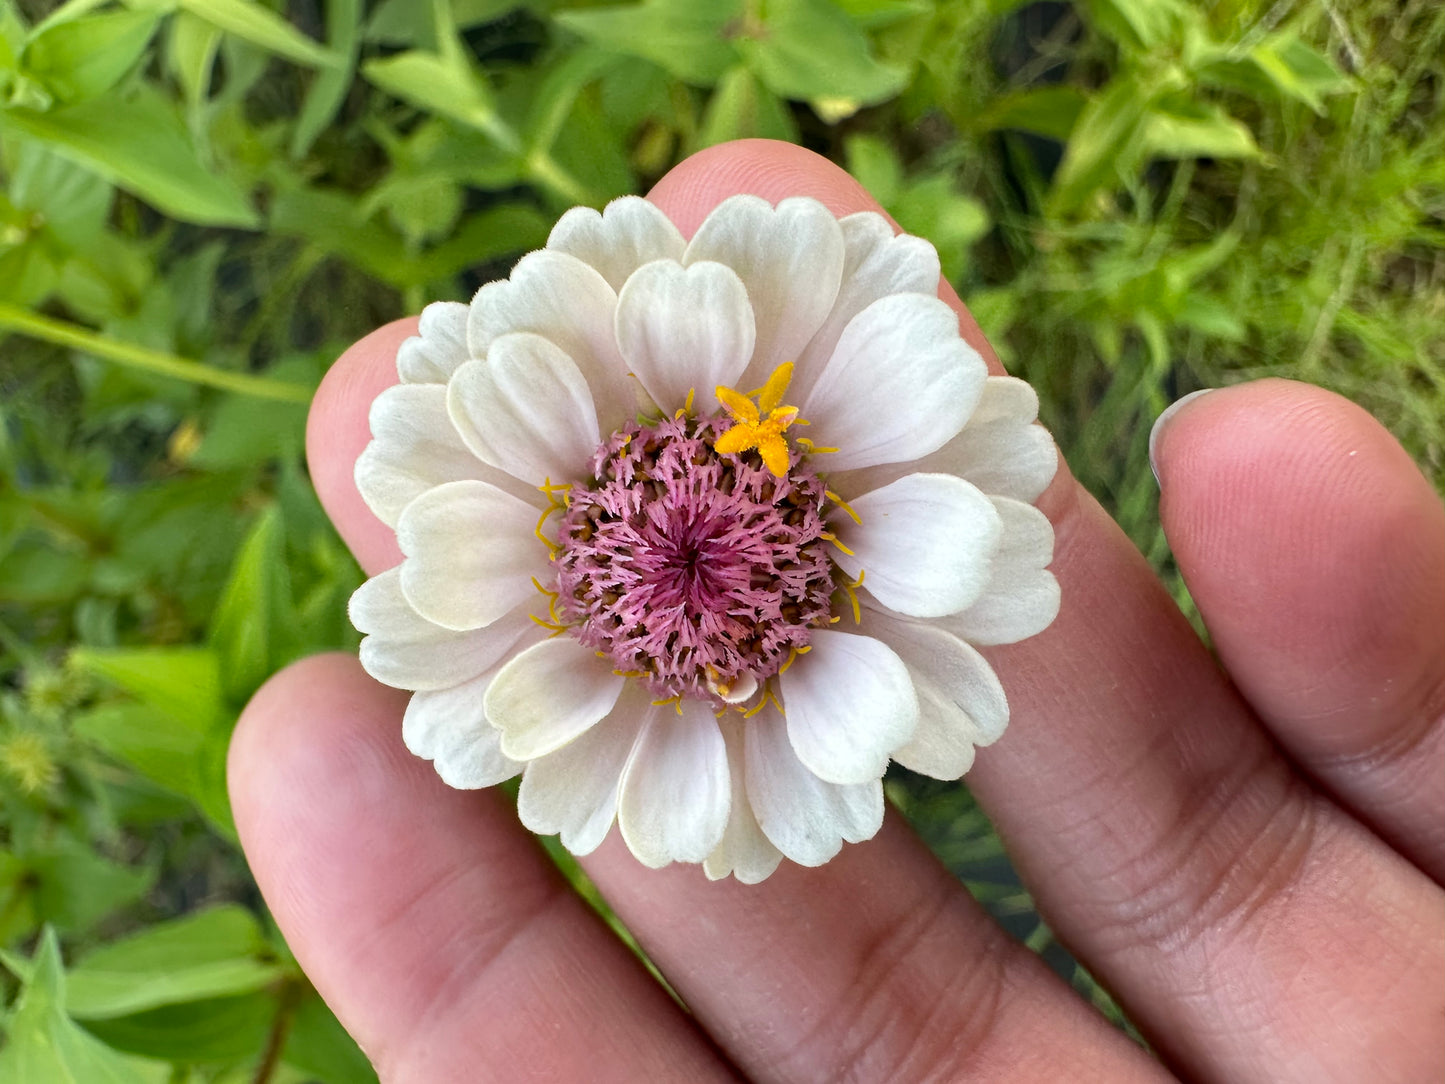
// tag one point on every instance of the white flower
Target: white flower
(660, 598)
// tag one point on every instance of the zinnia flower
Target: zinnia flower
(699, 535)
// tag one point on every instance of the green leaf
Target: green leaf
(319, 1046)
(139, 143)
(183, 682)
(191, 55)
(208, 954)
(75, 887)
(264, 29)
(162, 748)
(72, 200)
(251, 632)
(1046, 111)
(554, 100)
(185, 685)
(244, 431)
(332, 220)
(688, 38)
(81, 58)
(874, 163)
(809, 49)
(1281, 67)
(218, 1030)
(407, 22)
(1141, 24)
(1103, 144)
(329, 89)
(1298, 70)
(742, 108)
(44, 1046)
(445, 87)
(1192, 130)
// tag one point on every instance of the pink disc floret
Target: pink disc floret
(692, 570)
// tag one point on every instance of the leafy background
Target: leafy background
(204, 201)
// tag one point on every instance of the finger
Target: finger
(437, 931)
(337, 431)
(1316, 553)
(875, 961)
(1250, 928)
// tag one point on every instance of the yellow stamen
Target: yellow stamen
(753, 429)
(552, 597)
(808, 446)
(841, 503)
(851, 590)
(556, 494)
(767, 698)
(557, 630)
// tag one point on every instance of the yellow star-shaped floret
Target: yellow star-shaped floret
(760, 425)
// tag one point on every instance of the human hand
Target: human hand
(1249, 861)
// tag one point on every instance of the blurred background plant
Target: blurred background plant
(204, 201)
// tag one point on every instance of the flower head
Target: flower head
(631, 578)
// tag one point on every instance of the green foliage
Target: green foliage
(202, 202)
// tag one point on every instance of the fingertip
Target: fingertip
(305, 733)
(337, 431)
(758, 167)
(1301, 524)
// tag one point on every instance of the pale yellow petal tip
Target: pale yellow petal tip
(741, 690)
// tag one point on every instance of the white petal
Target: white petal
(900, 384)
(804, 817)
(961, 703)
(405, 650)
(675, 791)
(925, 545)
(450, 728)
(876, 262)
(526, 409)
(471, 554)
(685, 329)
(790, 258)
(432, 356)
(549, 694)
(1022, 598)
(562, 299)
(628, 233)
(1000, 449)
(744, 850)
(573, 791)
(849, 704)
(414, 447)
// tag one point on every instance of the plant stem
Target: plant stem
(286, 1002)
(62, 333)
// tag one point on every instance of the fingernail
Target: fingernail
(1164, 419)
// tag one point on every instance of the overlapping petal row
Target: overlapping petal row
(504, 403)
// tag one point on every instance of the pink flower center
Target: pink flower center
(694, 571)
